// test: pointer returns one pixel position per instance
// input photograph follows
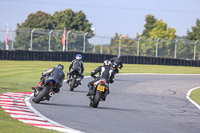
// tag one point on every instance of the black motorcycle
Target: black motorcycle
(115, 68)
(74, 80)
(98, 93)
(45, 91)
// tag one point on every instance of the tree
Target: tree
(150, 21)
(155, 29)
(195, 33)
(160, 31)
(40, 20)
(128, 45)
(75, 21)
(43, 23)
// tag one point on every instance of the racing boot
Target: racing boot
(90, 90)
(68, 78)
(106, 93)
(39, 86)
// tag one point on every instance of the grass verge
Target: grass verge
(195, 95)
(17, 76)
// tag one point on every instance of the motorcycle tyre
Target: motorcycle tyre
(72, 86)
(41, 95)
(96, 100)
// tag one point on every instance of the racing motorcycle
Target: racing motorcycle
(74, 80)
(115, 68)
(46, 91)
(100, 90)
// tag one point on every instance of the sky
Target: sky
(126, 17)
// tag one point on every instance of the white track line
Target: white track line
(192, 101)
(13, 103)
(65, 129)
(19, 107)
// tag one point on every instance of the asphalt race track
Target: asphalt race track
(138, 103)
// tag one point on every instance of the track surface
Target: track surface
(138, 103)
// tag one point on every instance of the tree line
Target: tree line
(155, 31)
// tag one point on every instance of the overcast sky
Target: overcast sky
(108, 16)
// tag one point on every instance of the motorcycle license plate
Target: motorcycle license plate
(101, 88)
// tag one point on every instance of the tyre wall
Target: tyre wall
(24, 55)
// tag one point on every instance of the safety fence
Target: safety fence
(51, 40)
(25, 55)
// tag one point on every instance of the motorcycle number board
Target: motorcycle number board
(101, 88)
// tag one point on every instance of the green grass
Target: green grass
(195, 95)
(17, 76)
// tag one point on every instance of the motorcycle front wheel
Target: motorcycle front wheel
(41, 95)
(72, 86)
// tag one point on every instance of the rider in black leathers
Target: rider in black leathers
(105, 72)
(76, 64)
(116, 62)
(57, 73)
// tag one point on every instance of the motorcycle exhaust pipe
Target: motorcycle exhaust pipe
(51, 94)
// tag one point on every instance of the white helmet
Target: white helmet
(107, 63)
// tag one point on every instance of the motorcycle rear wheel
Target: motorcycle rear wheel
(41, 95)
(97, 98)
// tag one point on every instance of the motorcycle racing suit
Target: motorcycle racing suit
(116, 62)
(57, 74)
(76, 64)
(105, 72)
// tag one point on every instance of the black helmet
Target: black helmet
(60, 66)
(114, 65)
(107, 63)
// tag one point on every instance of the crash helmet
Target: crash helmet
(60, 66)
(107, 63)
(114, 65)
(78, 56)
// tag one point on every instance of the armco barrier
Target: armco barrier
(90, 57)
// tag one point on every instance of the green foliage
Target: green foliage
(160, 31)
(150, 21)
(195, 95)
(155, 29)
(38, 20)
(128, 45)
(74, 21)
(195, 33)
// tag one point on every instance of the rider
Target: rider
(105, 72)
(116, 62)
(76, 64)
(57, 73)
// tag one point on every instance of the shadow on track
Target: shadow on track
(125, 80)
(84, 106)
(65, 105)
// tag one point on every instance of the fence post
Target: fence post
(195, 45)
(119, 46)
(67, 41)
(12, 40)
(50, 39)
(138, 47)
(102, 44)
(31, 39)
(175, 48)
(84, 42)
(157, 47)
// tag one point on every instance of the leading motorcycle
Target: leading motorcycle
(74, 80)
(46, 91)
(99, 93)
